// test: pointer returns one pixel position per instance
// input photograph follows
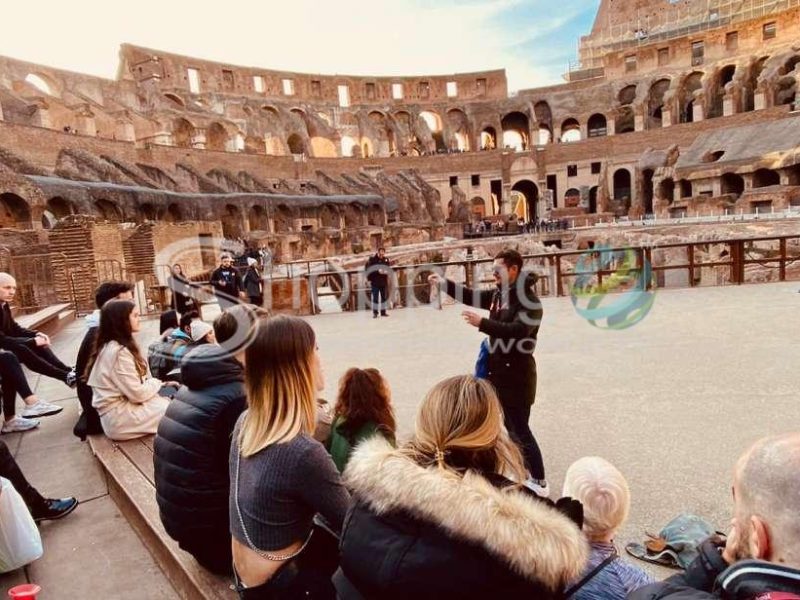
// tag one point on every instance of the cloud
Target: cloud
(359, 37)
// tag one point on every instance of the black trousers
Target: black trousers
(11, 471)
(211, 549)
(516, 419)
(378, 299)
(41, 360)
(13, 383)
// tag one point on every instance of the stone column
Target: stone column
(86, 123)
(698, 114)
(760, 100)
(728, 105)
(611, 125)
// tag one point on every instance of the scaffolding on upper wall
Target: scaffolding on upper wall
(675, 22)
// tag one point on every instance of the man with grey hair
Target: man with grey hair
(761, 557)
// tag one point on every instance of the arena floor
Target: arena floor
(672, 402)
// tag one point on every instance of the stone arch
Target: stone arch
(146, 212)
(544, 120)
(530, 191)
(597, 125)
(488, 138)
(14, 211)
(353, 215)
(722, 77)
(173, 214)
(459, 130)
(296, 144)
(176, 100)
(375, 215)
(570, 131)
(625, 121)
(623, 187)
(516, 131)
(183, 133)
(45, 84)
(60, 207)
(593, 199)
(366, 148)
(627, 95)
(217, 138)
(685, 187)
(647, 191)
(385, 141)
(257, 218)
(232, 222)
(752, 82)
(270, 112)
(692, 83)
(348, 144)
(765, 177)
(433, 121)
(666, 189)
(254, 145)
(284, 219)
(108, 210)
(329, 216)
(731, 183)
(655, 103)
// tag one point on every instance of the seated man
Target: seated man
(32, 348)
(41, 508)
(13, 382)
(89, 421)
(761, 556)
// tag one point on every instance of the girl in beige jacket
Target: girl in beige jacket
(125, 395)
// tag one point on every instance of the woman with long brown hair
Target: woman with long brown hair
(445, 515)
(124, 393)
(281, 477)
(363, 409)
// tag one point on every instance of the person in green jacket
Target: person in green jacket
(363, 409)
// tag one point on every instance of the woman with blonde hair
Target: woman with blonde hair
(281, 477)
(606, 500)
(445, 517)
(363, 409)
(126, 396)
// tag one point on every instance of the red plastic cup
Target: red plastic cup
(26, 591)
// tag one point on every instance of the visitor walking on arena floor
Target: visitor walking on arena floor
(227, 283)
(761, 556)
(42, 509)
(378, 271)
(515, 313)
(32, 348)
(363, 409)
(252, 283)
(281, 477)
(125, 395)
(89, 421)
(182, 300)
(439, 518)
(14, 382)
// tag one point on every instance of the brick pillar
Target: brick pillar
(698, 114)
(199, 139)
(611, 125)
(666, 116)
(760, 100)
(728, 105)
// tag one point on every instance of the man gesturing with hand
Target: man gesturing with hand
(515, 313)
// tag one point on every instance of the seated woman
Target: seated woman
(606, 499)
(363, 409)
(439, 518)
(281, 477)
(125, 395)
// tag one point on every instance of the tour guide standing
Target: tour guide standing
(227, 283)
(515, 313)
(378, 275)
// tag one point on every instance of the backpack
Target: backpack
(164, 355)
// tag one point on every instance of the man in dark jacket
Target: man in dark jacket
(89, 421)
(378, 270)
(192, 448)
(227, 283)
(761, 557)
(515, 313)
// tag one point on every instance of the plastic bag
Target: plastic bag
(482, 363)
(20, 542)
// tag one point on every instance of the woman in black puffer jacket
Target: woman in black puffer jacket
(191, 455)
(438, 518)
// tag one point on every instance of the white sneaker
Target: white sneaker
(41, 409)
(19, 424)
(538, 487)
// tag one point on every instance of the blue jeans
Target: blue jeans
(379, 299)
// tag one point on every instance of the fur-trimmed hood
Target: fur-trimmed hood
(534, 539)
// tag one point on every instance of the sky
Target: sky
(534, 40)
